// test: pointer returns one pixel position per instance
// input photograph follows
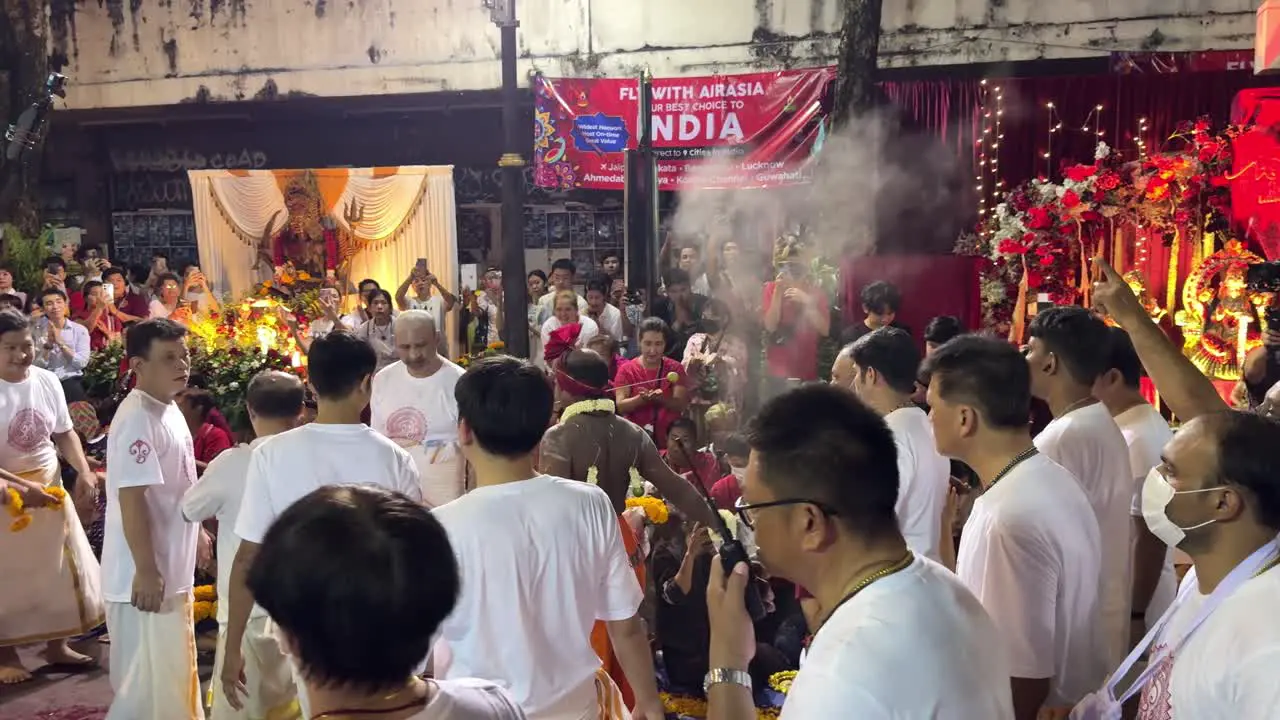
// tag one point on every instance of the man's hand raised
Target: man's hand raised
(1113, 296)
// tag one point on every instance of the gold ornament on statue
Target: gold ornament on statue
(1220, 319)
(1138, 283)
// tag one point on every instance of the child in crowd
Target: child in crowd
(696, 465)
(729, 488)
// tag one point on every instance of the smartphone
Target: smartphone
(109, 292)
(331, 293)
(420, 267)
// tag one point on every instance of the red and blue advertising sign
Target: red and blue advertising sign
(723, 131)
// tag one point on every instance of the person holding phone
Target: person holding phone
(104, 327)
(428, 295)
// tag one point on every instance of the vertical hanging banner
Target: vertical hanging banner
(724, 131)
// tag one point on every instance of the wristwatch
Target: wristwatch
(724, 675)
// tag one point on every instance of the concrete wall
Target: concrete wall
(160, 52)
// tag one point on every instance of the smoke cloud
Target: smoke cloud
(877, 186)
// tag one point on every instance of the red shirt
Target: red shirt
(210, 441)
(798, 356)
(654, 417)
(707, 465)
(98, 338)
(726, 492)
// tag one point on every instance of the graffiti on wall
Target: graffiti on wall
(175, 160)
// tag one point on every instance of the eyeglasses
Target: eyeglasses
(747, 513)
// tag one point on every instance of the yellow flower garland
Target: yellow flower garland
(781, 681)
(655, 510)
(206, 593)
(587, 406)
(22, 515)
(696, 708)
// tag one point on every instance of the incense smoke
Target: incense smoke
(876, 187)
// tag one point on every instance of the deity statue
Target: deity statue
(311, 245)
(1220, 319)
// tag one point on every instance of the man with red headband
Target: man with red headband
(593, 444)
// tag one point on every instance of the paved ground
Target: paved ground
(62, 696)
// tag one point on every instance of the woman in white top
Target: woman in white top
(398, 574)
(566, 329)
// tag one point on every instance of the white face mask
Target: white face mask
(739, 474)
(1157, 493)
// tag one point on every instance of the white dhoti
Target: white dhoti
(272, 694)
(153, 662)
(51, 586)
(597, 699)
(440, 468)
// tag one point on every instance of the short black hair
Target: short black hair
(538, 274)
(881, 297)
(52, 291)
(360, 578)
(735, 445)
(564, 264)
(654, 324)
(1245, 443)
(942, 329)
(989, 374)
(717, 307)
(89, 286)
(600, 284)
(1124, 358)
(676, 276)
(54, 260)
(139, 338)
(892, 353)
(683, 423)
(113, 270)
(275, 395)
(162, 278)
(610, 254)
(199, 398)
(820, 444)
(1079, 339)
(507, 403)
(338, 362)
(13, 321)
(367, 281)
(83, 250)
(378, 293)
(587, 367)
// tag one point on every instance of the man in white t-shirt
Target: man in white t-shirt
(274, 402)
(1146, 432)
(896, 634)
(1069, 349)
(428, 295)
(1031, 549)
(149, 548)
(881, 367)
(386, 574)
(606, 316)
(1215, 496)
(336, 449)
(541, 559)
(413, 405)
(561, 278)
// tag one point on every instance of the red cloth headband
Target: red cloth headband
(578, 388)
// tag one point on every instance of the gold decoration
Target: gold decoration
(1219, 316)
(1138, 284)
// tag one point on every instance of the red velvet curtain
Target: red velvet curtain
(932, 285)
(951, 109)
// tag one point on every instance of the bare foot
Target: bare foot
(57, 652)
(11, 670)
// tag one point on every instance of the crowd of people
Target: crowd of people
(438, 542)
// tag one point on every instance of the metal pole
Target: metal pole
(515, 128)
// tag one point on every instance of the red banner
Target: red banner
(1159, 63)
(739, 131)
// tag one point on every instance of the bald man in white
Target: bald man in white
(413, 405)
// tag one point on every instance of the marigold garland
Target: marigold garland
(685, 706)
(205, 593)
(22, 515)
(202, 610)
(781, 681)
(655, 510)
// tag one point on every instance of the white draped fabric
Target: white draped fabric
(407, 213)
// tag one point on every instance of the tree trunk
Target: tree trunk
(856, 73)
(24, 64)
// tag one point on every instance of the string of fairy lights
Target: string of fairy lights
(989, 185)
